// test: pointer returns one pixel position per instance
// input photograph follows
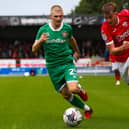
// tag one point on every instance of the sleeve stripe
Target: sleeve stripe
(111, 42)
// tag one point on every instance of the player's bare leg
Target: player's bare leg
(76, 88)
(117, 76)
(68, 94)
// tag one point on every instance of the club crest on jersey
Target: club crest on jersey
(114, 30)
(64, 34)
(125, 24)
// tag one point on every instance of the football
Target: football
(72, 116)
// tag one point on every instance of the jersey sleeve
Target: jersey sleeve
(124, 12)
(106, 36)
(39, 33)
(69, 30)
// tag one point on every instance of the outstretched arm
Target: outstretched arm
(73, 44)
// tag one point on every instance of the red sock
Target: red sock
(117, 77)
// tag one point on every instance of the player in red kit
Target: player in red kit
(115, 33)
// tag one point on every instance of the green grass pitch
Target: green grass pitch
(32, 103)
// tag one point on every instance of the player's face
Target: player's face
(57, 18)
(111, 18)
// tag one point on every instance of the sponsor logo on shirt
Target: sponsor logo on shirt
(123, 36)
(55, 41)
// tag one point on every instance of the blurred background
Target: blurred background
(19, 22)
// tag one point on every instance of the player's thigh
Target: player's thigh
(65, 92)
(71, 78)
(71, 73)
(73, 87)
(125, 71)
(115, 65)
(57, 77)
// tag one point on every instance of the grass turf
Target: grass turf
(32, 103)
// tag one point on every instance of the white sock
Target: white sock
(80, 87)
(71, 98)
(86, 107)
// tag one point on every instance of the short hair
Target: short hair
(59, 8)
(108, 7)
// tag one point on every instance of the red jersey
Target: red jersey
(117, 34)
(112, 58)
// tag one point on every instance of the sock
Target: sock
(74, 100)
(86, 107)
(80, 88)
(117, 77)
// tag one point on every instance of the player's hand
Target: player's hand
(125, 45)
(76, 56)
(44, 37)
(37, 43)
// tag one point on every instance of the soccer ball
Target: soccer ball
(72, 116)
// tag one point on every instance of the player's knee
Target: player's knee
(66, 95)
(74, 88)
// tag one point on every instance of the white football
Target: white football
(72, 116)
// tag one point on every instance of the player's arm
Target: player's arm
(116, 50)
(36, 45)
(73, 44)
(107, 37)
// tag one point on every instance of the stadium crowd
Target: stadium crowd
(17, 49)
(90, 48)
(22, 49)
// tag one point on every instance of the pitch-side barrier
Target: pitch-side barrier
(24, 67)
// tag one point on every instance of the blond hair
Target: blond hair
(56, 8)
